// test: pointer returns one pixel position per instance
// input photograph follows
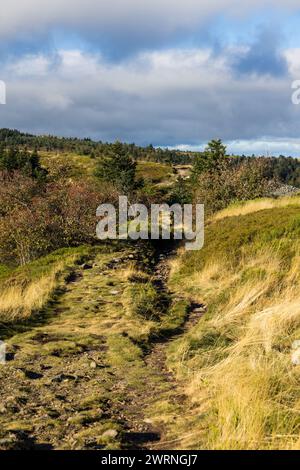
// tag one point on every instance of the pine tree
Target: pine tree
(13, 159)
(211, 159)
(119, 169)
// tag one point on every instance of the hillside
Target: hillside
(86, 152)
(125, 344)
(214, 340)
(236, 362)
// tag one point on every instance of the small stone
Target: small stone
(93, 365)
(63, 378)
(296, 357)
(200, 310)
(131, 256)
(110, 433)
(148, 421)
(114, 292)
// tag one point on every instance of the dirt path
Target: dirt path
(162, 387)
(79, 380)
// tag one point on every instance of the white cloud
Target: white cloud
(266, 146)
(179, 96)
(30, 66)
(293, 60)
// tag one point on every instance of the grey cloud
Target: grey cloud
(171, 100)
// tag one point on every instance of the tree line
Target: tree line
(286, 169)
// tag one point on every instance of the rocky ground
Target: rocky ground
(85, 374)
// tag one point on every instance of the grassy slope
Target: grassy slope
(153, 173)
(28, 288)
(242, 387)
(236, 362)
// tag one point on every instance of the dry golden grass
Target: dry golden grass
(18, 302)
(257, 205)
(28, 288)
(236, 362)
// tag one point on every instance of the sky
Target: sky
(172, 73)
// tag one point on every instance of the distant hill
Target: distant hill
(286, 169)
(91, 148)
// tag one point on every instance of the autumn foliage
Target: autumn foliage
(38, 217)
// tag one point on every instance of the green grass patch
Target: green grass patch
(154, 172)
(143, 300)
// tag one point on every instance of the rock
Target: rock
(296, 357)
(296, 344)
(148, 421)
(114, 292)
(63, 377)
(110, 433)
(87, 266)
(131, 256)
(199, 310)
(116, 260)
(93, 365)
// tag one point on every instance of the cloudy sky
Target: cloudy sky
(167, 72)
